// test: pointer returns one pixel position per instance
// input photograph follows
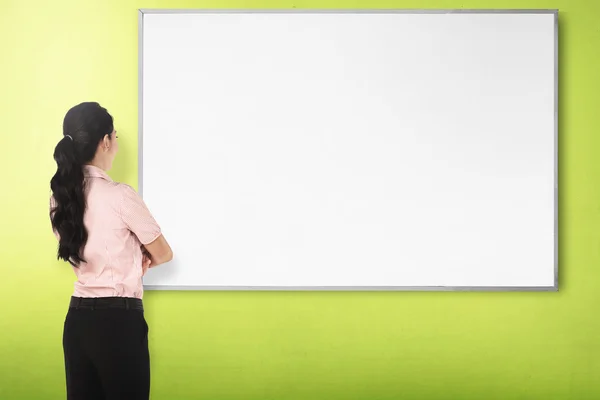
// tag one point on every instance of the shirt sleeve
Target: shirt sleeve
(137, 217)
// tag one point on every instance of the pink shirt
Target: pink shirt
(118, 223)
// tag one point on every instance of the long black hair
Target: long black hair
(84, 126)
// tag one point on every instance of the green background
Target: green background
(286, 345)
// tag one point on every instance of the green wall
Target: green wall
(280, 346)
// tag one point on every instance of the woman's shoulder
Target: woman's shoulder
(126, 194)
(125, 189)
(114, 193)
(118, 187)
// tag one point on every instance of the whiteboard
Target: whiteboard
(351, 150)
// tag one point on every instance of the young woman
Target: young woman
(108, 235)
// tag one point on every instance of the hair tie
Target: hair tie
(70, 137)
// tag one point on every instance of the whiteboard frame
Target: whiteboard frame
(552, 288)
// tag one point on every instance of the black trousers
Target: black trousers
(106, 353)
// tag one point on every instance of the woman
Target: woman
(106, 232)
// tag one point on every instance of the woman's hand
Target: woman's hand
(146, 261)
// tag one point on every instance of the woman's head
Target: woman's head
(88, 138)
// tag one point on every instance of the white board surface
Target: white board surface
(351, 150)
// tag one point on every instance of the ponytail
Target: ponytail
(84, 127)
(66, 216)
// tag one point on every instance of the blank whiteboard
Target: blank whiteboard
(351, 150)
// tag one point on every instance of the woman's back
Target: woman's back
(118, 223)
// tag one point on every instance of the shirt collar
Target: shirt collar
(92, 171)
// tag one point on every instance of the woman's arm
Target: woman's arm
(158, 251)
(139, 220)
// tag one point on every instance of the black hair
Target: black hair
(84, 126)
